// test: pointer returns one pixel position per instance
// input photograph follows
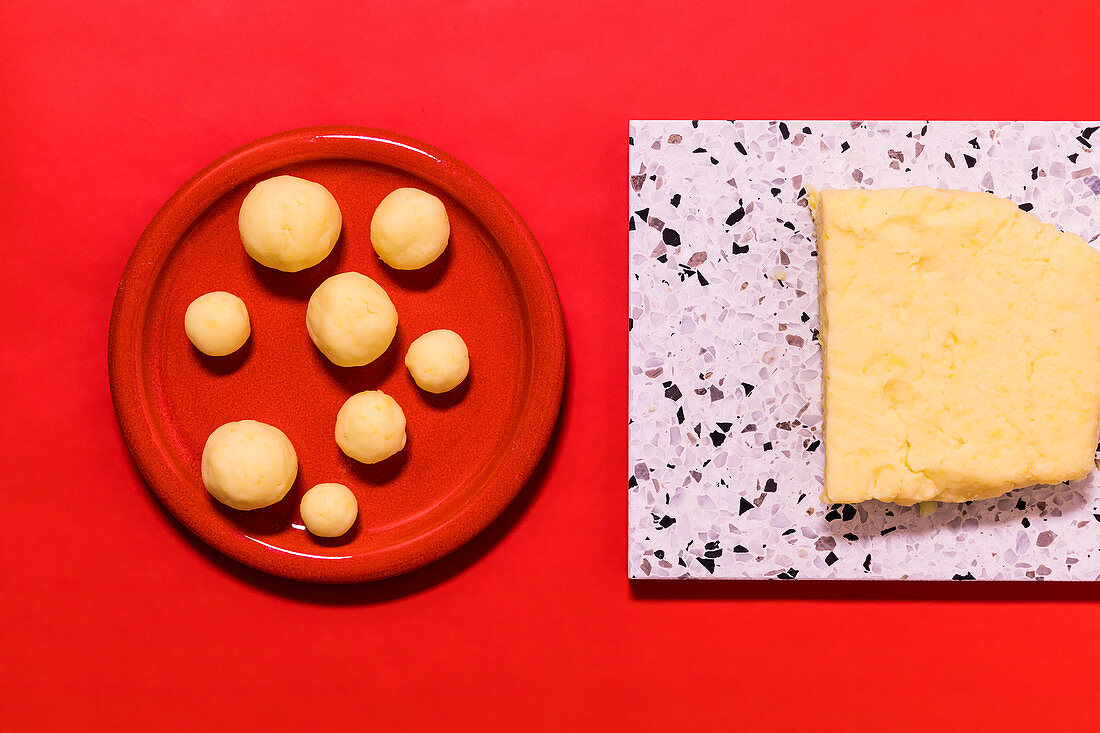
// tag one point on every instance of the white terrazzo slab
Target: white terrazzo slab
(725, 469)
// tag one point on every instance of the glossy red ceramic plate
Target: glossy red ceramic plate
(469, 452)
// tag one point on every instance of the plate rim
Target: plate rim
(537, 418)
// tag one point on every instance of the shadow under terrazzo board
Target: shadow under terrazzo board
(725, 468)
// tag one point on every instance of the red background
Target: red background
(110, 613)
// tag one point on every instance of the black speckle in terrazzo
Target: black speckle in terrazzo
(831, 558)
(752, 426)
(848, 512)
(832, 515)
(713, 549)
(643, 214)
(699, 150)
(748, 388)
(844, 146)
(924, 131)
(1072, 157)
(695, 124)
(786, 532)
(815, 334)
(717, 437)
(632, 483)
(950, 161)
(663, 258)
(666, 521)
(784, 131)
(850, 536)
(725, 426)
(740, 148)
(770, 485)
(673, 393)
(1027, 206)
(737, 215)
(800, 498)
(1026, 522)
(740, 549)
(744, 506)
(681, 562)
(776, 191)
(791, 574)
(768, 446)
(970, 160)
(675, 200)
(1035, 173)
(968, 576)
(789, 225)
(805, 316)
(632, 225)
(671, 237)
(740, 249)
(707, 563)
(659, 554)
(867, 563)
(974, 143)
(680, 415)
(887, 531)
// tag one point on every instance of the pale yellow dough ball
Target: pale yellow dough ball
(217, 323)
(351, 319)
(409, 229)
(438, 361)
(370, 427)
(248, 464)
(289, 223)
(329, 510)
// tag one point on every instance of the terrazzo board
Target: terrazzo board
(725, 470)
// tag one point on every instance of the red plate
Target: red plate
(469, 451)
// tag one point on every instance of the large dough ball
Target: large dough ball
(351, 319)
(409, 229)
(370, 427)
(289, 223)
(438, 361)
(248, 464)
(329, 510)
(217, 323)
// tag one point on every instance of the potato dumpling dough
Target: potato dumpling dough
(289, 223)
(217, 323)
(370, 427)
(329, 510)
(438, 361)
(410, 229)
(248, 464)
(351, 319)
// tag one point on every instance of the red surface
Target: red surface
(110, 612)
(469, 452)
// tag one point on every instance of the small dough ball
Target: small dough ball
(217, 323)
(438, 361)
(248, 464)
(370, 427)
(409, 229)
(289, 223)
(351, 319)
(329, 510)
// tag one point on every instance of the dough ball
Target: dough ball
(409, 229)
(370, 427)
(248, 464)
(289, 223)
(351, 319)
(217, 323)
(438, 361)
(329, 510)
